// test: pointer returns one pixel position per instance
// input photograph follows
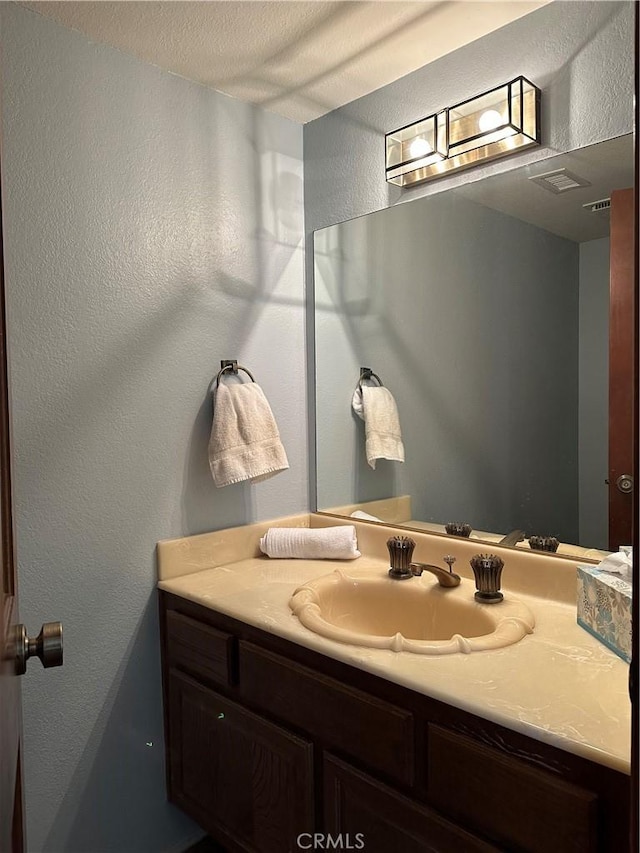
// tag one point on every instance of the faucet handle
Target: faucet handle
(449, 560)
(487, 569)
(400, 553)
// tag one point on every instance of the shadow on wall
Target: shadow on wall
(117, 793)
(260, 291)
(276, 239)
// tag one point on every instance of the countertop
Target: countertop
(558, 685)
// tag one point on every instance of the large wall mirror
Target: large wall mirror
(486, 311)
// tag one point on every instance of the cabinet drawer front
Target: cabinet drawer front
(199, 649)
(237, 774)
(375, 732)
(525, 807)
(380, 820)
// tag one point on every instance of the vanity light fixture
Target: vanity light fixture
(491, 125)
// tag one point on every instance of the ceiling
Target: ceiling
(298, 59)
(605, 166)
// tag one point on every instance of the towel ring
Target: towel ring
(234, 367)
(367, 373)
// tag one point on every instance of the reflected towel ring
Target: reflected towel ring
(234, 367)
(367, 373)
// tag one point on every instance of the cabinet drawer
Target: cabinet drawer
(375, 732)
(525, 807)
(199, 649)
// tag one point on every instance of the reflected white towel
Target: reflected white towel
(364, 516)
(245, 442)
(377, 408)
(325, 543)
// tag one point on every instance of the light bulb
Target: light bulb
(419, 147)
(489, 120)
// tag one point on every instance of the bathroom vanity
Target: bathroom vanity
(273, 733)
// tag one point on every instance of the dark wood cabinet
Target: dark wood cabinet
(237, 773)
(269, 743)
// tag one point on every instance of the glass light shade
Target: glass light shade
(416, 147)
(486, 127)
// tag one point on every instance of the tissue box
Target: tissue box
(604, 608)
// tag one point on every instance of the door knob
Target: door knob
(47, 646)
(625, 483)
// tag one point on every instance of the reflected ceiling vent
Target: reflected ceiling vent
(602, 206)
(559, 181)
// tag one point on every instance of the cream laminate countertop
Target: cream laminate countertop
(558, 685)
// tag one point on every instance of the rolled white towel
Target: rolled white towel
(324, 543)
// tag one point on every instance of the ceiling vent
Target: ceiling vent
(559, 181)
(602, 206)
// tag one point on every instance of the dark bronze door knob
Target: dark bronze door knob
(47, 646)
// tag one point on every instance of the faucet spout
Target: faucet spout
(445, 578)
(513, 538)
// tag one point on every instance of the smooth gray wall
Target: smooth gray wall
(579, 53)
(593, 415)
(152, 227)
(470, 317)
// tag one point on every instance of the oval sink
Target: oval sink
(417, 615)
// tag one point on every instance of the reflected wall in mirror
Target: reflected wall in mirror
(485, 311)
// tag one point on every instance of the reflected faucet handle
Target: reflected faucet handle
(400, 553)
(456, 528)
(544, 543)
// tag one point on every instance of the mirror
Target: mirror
(484, 310)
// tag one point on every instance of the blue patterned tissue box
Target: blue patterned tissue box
(604, 608)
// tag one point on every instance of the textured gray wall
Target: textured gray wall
(579, 53)
(152, 227)
(593, 415)
(471, 318)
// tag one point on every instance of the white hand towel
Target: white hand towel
(245, 442)
(377, 408)
(326, 543)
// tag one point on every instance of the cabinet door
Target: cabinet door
(245, 780)
(378, 820)
(524, 807)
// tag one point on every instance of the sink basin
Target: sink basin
(417, 615)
